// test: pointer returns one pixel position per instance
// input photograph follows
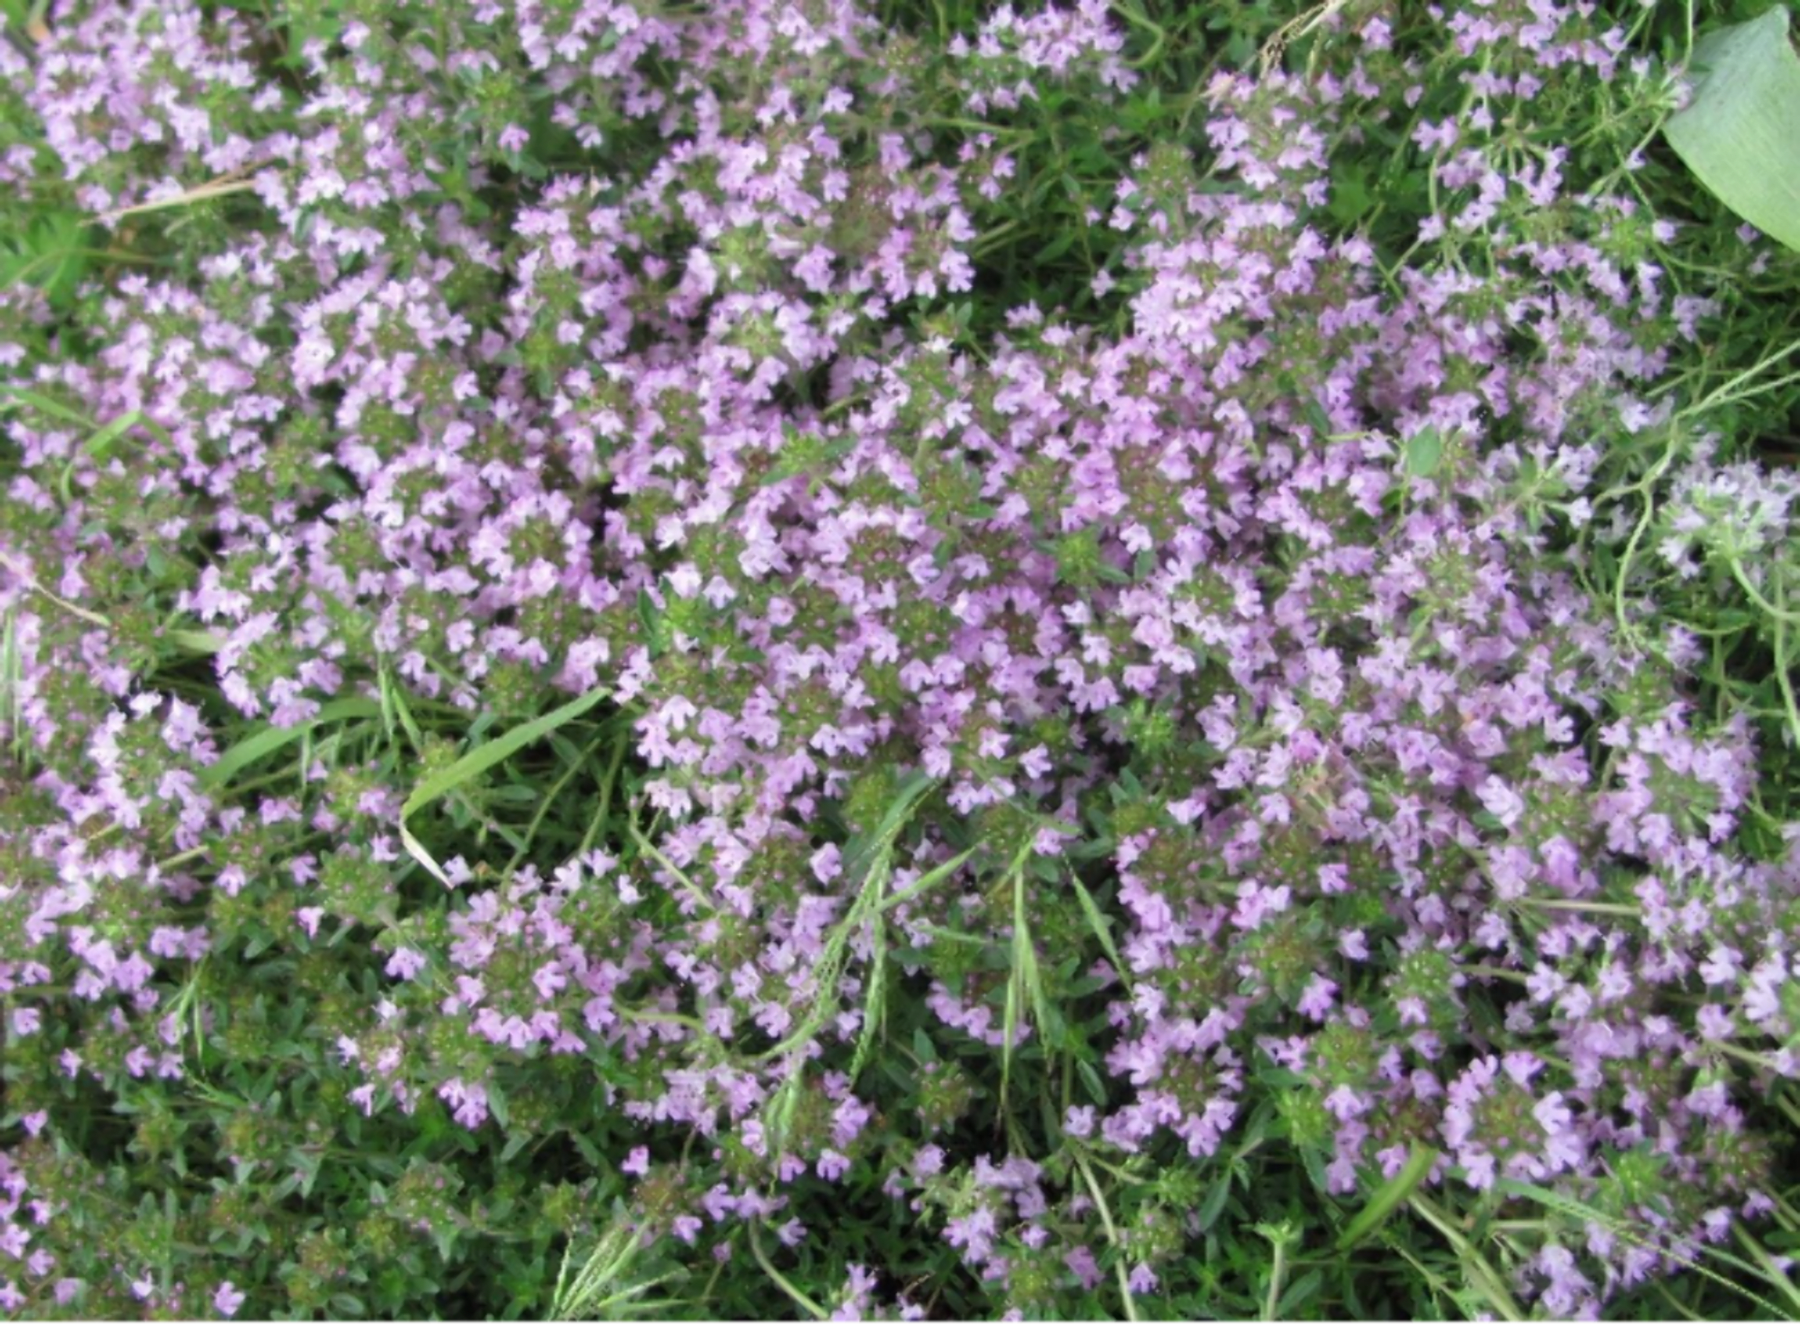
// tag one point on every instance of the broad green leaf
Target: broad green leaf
(1351, 199)
(1741, 132)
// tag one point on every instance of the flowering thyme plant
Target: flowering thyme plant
(751, 658)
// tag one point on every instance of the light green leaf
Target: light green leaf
(1424, 453)
(195, 641)
(105, 437)
(1741, 132)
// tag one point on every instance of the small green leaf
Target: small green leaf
(1298, 1294)
(1424, 453)
(651, 617)
(1214, 1204)
(1740, 134)
(1102, 929)
(1058, 246)
(268, 741)
(1351, 199)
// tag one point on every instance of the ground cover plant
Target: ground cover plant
(890, 660)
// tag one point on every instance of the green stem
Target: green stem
(1112, 1233)
(1157, 35)
(546, 801)
(1782, 677)
(1486, 1278)
(1581, 907)
(1776, 610)
(781, 1281)
(1277, 1272)
(1728, 392)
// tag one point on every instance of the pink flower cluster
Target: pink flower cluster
(1255, 609)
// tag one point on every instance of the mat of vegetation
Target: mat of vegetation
(890, 659)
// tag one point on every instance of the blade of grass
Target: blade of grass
(95, 446)
(608, 1259)
(875, 1005)
(12, 681)
(548, 799)
(476, 762)
(874, 857)
(1766, 1267)
(1023, 981)
(649, 848)
(861, 857)
(1484, 1279)
(1102, 930)
(195, 641)
(780, 1280)
(1390, 1197)
(54, 408)
(221, 187)
(1112, 1231)
(927, 881)
(271, 739)
(1572, 1208)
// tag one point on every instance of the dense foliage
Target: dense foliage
(747, 658)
